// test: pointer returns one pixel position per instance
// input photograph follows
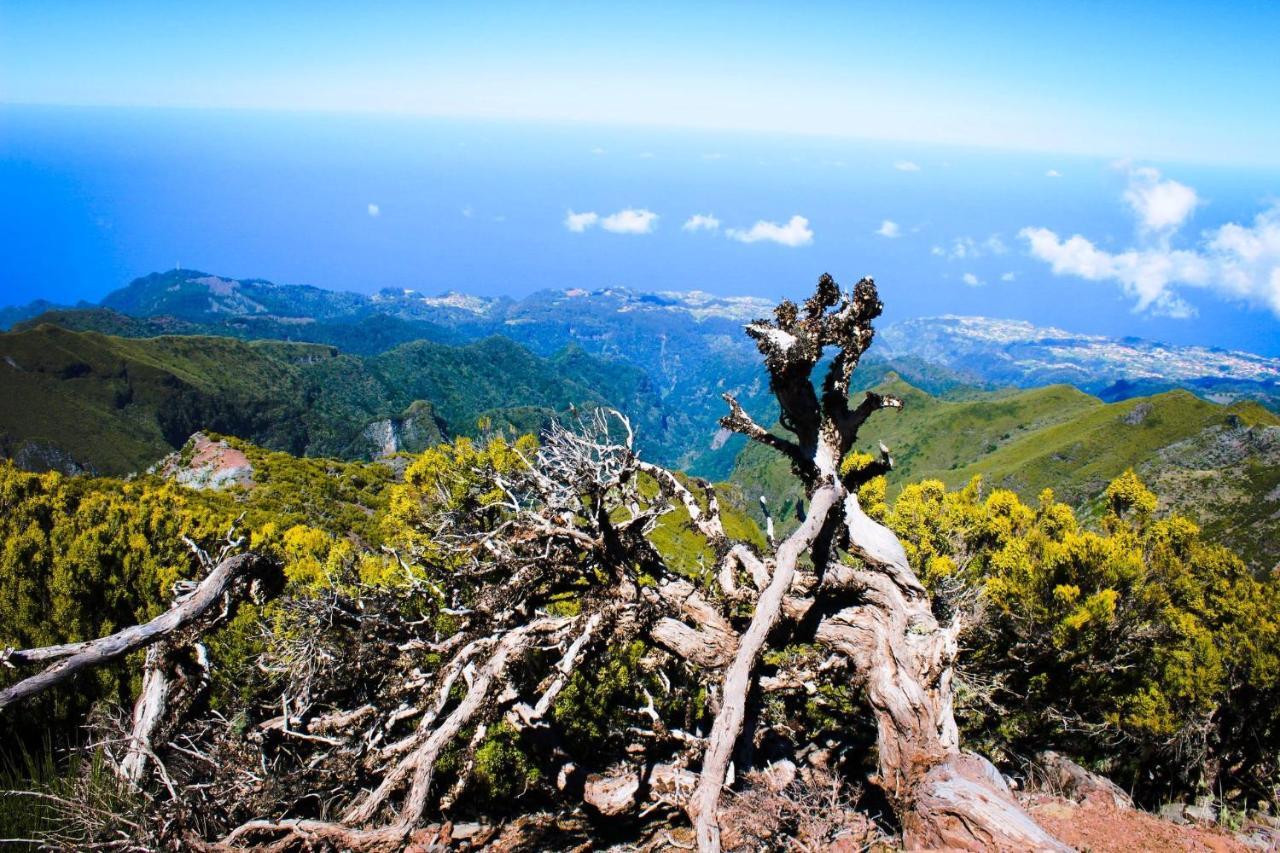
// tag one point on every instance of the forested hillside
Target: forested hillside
(86, 401)
(1219, 465)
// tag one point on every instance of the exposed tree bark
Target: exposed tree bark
(711, 644)
(170, 683)
(737, 680)
(962, 803)
(899, 652)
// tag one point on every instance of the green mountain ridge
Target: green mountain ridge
(87, 401)
(1219, 465)
(689, 345)
(316, 372)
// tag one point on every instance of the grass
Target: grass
(49, 799)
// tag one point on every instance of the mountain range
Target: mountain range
(648, 329)
(1012, 352)
(690, 346)
(113, 387)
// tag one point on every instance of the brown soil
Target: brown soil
(1101, 827)
(213, 464)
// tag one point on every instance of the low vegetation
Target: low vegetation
(552, 637)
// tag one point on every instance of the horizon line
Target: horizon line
(667, 127)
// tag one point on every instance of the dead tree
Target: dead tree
(576, 512)
(901, 655)
(496, 550)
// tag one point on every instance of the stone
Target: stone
(1204, 813)
(779, 774)
(612, 795)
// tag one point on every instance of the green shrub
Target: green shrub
(1141, 648)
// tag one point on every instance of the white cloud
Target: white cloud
(795, 233)
(1239, 262)
(630, 221)
(1174, 307)
(646, 155)
(701, 222)
(1008, 276)
(889, 228)
(1053, 173)
(1249, 258)
(967, 248)
(467, 212)
(971, 279)
(1144, 274)
(906, 166)
(1076, 256)
(1160, 205)
(374, 210)
(579, 222)
(714, 155)
(597, 151)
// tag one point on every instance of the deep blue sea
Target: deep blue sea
(91, 198)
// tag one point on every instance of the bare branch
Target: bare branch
(708, 523)
(224, 582)
(740, 422)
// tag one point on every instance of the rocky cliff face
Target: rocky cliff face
(43, 456)
(412, 432)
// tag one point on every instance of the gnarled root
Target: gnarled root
(962, 803)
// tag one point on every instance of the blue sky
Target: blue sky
(1169, 80)
(1109, 170)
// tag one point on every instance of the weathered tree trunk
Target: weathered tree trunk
(148, 712)
(901, 655)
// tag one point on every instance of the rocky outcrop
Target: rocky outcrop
(43, 456)
(205, 463)
(1061, 775)
(412, 432)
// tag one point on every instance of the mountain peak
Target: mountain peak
(479, 305)
(698, 304)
